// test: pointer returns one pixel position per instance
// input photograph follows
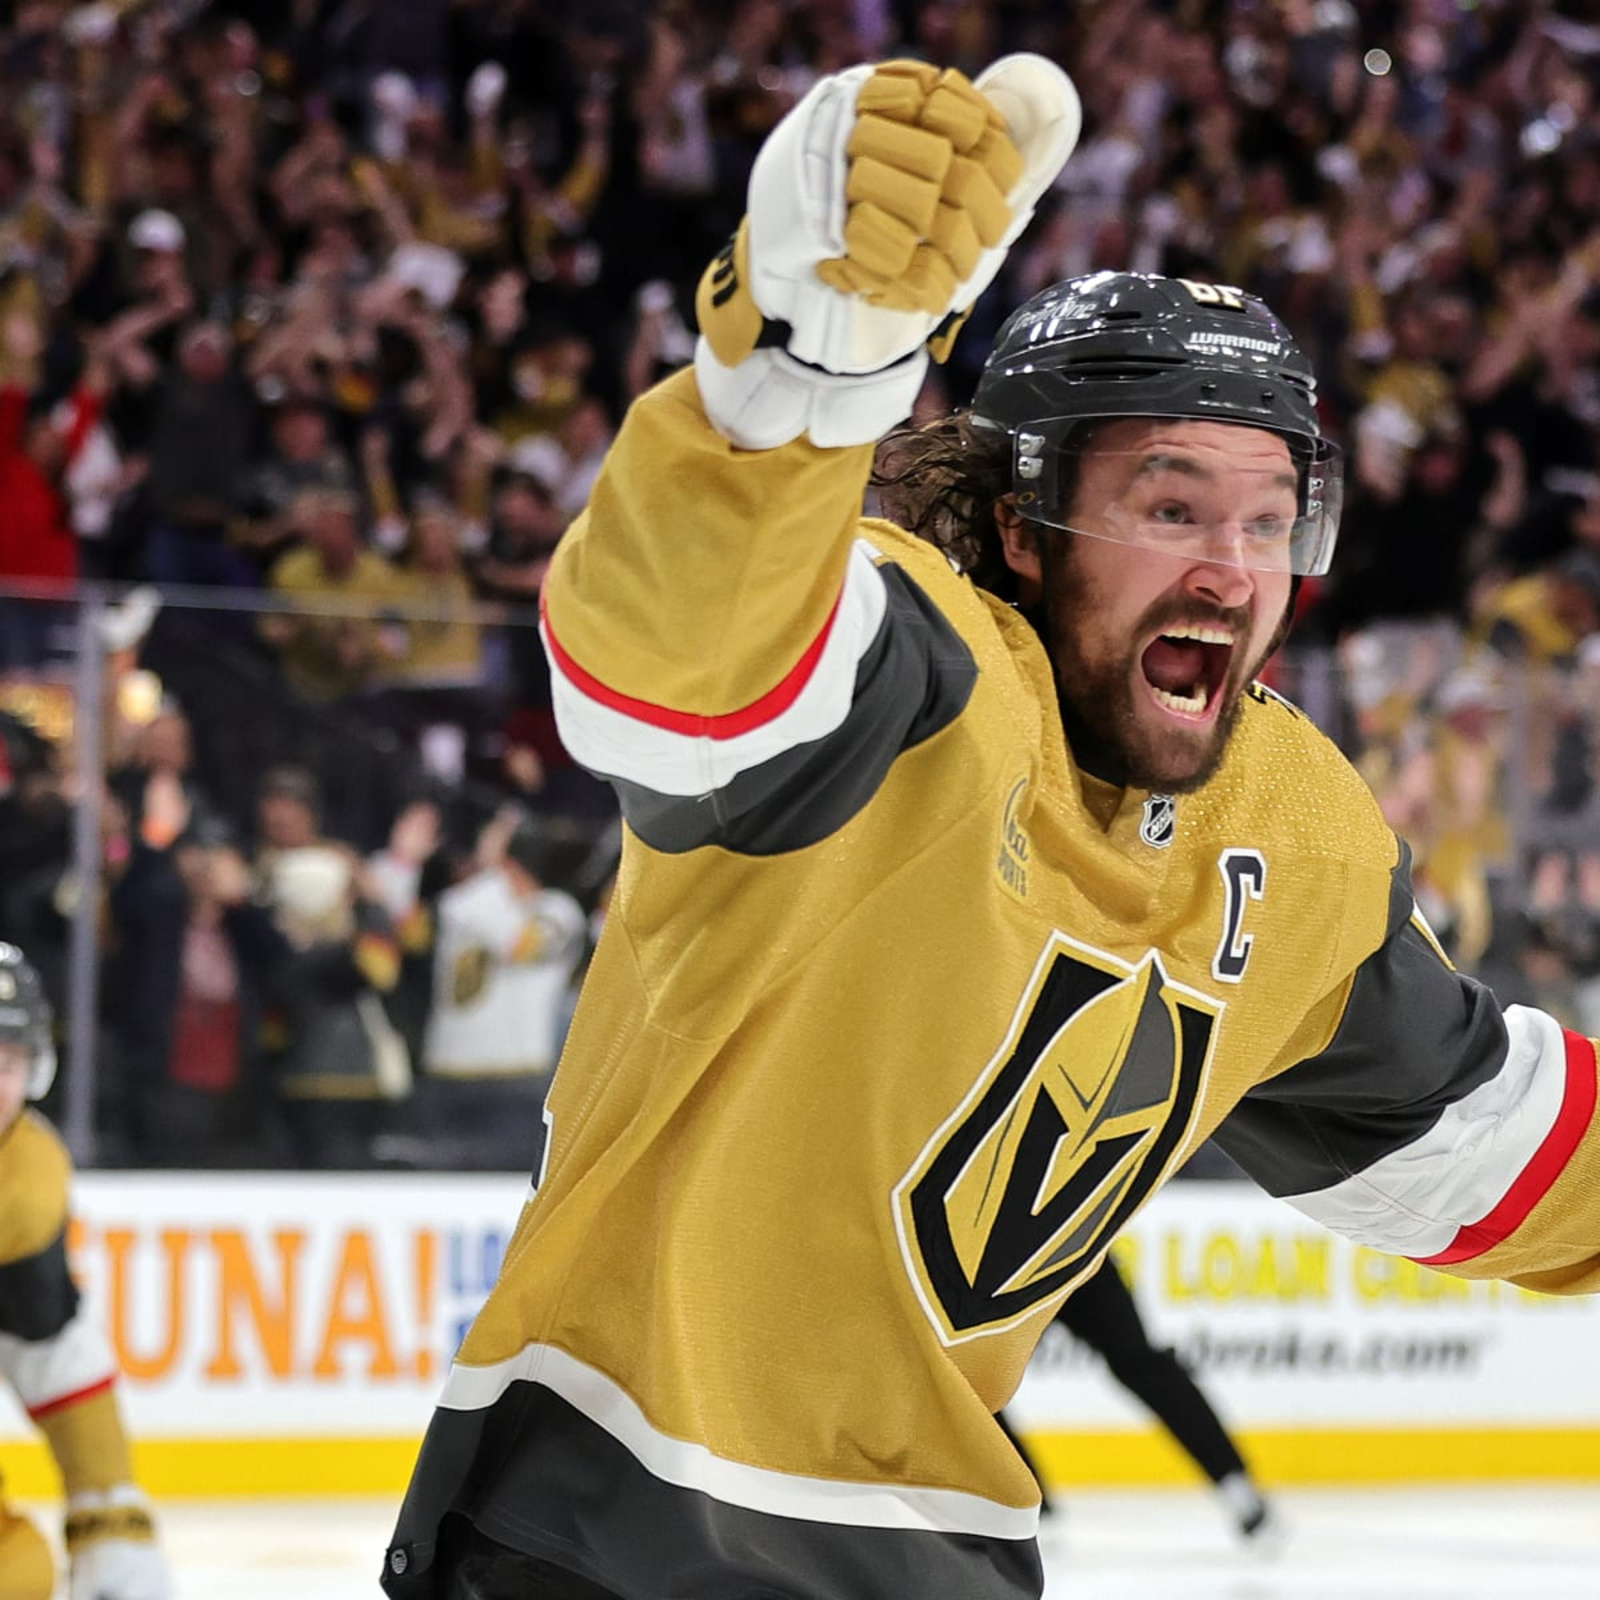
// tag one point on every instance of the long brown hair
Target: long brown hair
(940, 480)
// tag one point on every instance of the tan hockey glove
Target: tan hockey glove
(880, 208)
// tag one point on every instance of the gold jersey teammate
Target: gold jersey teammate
(56, 1360)
(969, 883)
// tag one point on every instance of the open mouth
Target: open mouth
(1187, 667)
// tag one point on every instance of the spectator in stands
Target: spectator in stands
(1545, 617)
(36, 822)
(435, 690)
(1408, 553)
(1563, 861)
(582, 441)
(43, 239)
(1445, 799)
(156, 783)
(288, 813)
(337, 1060)
(152, 802)
(38, 442)
(407, 877)
(303, 458)
(337, 644)
(661, 340)
(506, 949)
(158, 167)
(524, 532)
(547, 373)
(200, 442)
(156, 268)
(526, 527)
(193, 950)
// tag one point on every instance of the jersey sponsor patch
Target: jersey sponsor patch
(1071, 1126)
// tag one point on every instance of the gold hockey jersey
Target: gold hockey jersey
(897, 1019)
(58, 1362)
(37, 1296)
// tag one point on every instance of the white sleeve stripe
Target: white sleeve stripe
(688, 1465)
(1415, 1200)
(614, 743)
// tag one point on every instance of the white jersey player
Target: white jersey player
(506, 949)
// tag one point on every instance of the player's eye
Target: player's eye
(1171, 513)
(1269, 529)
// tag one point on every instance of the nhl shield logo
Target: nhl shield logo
(1160, 823)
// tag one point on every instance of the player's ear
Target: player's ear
(1019, 541)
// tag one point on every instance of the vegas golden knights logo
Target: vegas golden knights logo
(469, 977)
(1076, 1120)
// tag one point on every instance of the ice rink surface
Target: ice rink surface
(1520, 1543)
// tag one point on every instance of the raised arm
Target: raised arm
(711, 608)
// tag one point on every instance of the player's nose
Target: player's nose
(1221, 580)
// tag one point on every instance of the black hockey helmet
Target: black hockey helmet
(27, 1019)
(1129, 344)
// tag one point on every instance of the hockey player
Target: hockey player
(969, 884)
(57, 1362)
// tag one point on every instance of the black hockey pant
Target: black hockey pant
(473, 1566)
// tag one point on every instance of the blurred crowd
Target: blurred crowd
(274, 994)
(334, 306)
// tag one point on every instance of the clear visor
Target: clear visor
(1262, 503)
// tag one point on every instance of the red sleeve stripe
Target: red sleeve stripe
(1542, 1170)
(76, 1398)
(727, 725)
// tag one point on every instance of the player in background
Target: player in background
(57, 1362)
(970, 882)
(1102, 1314)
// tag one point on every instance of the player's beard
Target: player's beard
(1100, 695)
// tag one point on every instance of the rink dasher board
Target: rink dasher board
(288, 1333)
